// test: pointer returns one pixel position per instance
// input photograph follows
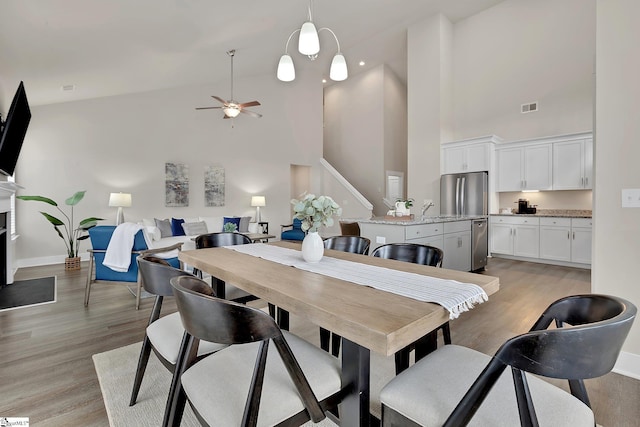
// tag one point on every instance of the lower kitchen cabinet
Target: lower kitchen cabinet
(517, 236)
(581, 240)
(555, 239)
(566, 241)
(457, 245)
(453, 237)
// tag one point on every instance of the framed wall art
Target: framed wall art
(176, 184)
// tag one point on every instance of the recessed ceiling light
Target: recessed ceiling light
(68, 88)
(361, 63)
(324, 80)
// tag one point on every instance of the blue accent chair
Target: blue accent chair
(295, 232)
(100, 236)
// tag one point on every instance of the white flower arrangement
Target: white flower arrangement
(315, 212)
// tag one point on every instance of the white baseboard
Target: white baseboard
(48, 260)
(628, 364)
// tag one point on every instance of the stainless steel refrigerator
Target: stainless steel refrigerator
(464, 194)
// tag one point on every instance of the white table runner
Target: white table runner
(456, 297)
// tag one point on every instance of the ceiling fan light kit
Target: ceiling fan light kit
(232, 108)
(309, 45)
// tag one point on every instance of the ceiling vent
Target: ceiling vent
(529, 107)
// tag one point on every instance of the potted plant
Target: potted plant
(71, 236)
(404, 206)
(314, 212)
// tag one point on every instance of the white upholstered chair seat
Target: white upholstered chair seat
(166, 336)
(428, 392)
(218, 385)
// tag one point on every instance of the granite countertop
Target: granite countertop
(417, 221)
(560, 213)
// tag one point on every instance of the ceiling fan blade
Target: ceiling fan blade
(248, 104)
(219, 99)
(207, 108)
(251, 113)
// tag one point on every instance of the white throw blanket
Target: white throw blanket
(118, 255)
(456, 297)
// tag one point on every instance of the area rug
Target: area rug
(116, 369)
(27, 293)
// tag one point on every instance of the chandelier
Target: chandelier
(309, 45)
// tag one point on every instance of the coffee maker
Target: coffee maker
(525, 208)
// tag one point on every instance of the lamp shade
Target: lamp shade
(308, 42)
(120, 200)
(286, 70)
(258, 201)
(338, 70)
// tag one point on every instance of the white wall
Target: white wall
(521, 51)
(121, 143)
(617, 132)
(365, 130)
(429, 92)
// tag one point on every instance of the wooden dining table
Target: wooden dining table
(367, 319)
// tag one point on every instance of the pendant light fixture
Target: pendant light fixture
(309, 45)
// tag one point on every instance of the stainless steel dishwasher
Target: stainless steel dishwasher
(479, 244)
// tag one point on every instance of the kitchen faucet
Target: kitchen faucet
(425, 206)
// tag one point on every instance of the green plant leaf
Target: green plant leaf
(52, 219)
(91, 220)
(75, 199)
(86, 236)
(38, 199)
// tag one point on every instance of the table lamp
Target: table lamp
(120, 200)
(258, 201)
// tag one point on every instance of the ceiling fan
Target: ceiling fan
(232, 108)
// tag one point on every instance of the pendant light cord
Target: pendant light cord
(231, 53)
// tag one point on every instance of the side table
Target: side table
(263, 227)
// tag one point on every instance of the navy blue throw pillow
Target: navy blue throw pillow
(176, 226)
(235, 220)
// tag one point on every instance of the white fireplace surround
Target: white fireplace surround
(8, 189)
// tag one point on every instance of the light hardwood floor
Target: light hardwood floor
(46, 371)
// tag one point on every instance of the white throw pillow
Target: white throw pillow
(148, 222)
(195, 228)
(153, 232)
(214, 223)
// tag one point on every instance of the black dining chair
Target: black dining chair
(215, 240)
(164, 334)
(345, 243)
(455, 385)
(417, 254)
(246, 384)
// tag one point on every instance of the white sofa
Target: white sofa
(213, 224)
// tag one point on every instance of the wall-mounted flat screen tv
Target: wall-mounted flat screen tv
(13, 131)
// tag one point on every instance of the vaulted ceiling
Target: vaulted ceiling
(111, 47)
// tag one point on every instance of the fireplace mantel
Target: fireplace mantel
(7, 189)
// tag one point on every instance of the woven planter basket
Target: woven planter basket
(71, 264)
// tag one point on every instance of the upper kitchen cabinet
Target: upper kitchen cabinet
(573, 163)
(469, 155)
(524, 166)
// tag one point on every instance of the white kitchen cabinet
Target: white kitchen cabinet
(566, 239)
(573, 164)
(581, 240)
(471, 155)
(517, 236)
(457, 245)
(555, 239)
(425, 234)
(525, 167)
(466, 158)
